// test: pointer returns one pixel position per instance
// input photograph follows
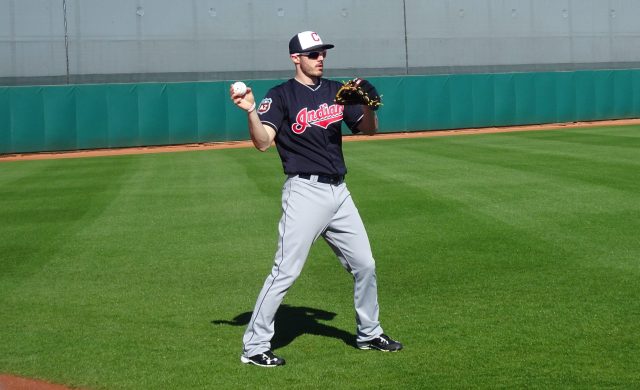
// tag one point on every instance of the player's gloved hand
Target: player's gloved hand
(358, 92)
(372, 92)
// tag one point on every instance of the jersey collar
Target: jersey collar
(311, 87)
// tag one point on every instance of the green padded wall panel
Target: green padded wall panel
(123, 115)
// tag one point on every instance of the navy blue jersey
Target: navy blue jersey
(308, 126)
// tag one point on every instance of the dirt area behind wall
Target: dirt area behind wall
(247, 144)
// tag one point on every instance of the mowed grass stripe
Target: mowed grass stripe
(504, 260)
(520, 183)
(131, 273)
(536, 211)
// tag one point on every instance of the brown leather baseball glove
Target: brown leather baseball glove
(358, 91)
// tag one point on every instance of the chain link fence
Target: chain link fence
(99, 41)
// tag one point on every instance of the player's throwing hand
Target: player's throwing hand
(242, 96)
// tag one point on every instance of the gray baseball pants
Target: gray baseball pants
(311, 209)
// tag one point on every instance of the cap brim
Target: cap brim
(318, 47)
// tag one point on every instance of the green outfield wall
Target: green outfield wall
(56, 118)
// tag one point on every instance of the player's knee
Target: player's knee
(365, 268)
(289, 275)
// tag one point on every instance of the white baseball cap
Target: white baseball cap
(307, 41)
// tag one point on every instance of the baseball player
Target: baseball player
(305, 122)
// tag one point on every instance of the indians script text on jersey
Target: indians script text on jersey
(308, 125)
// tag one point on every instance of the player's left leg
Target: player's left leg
(348, 238)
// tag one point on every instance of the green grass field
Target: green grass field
(504, 261)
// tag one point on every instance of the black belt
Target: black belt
(326, 179)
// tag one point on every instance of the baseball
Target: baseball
(239, 88)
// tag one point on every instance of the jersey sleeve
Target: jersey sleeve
(271, 109)
(352, 116)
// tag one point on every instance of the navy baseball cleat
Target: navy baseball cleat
(382, 343)
(265, 359)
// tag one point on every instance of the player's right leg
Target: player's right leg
(304, 216)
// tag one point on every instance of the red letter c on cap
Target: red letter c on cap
(315, 37)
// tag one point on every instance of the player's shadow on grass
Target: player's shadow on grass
(294, 321)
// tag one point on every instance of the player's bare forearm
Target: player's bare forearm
(369, 123)
(261, 135)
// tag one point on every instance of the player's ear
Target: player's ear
(295, 58)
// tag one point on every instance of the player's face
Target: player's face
(312, 64)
